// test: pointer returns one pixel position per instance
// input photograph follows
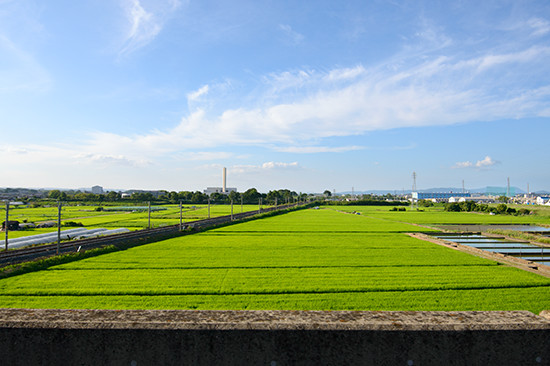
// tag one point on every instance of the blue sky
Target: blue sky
(309, 95)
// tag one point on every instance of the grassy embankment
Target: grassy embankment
(311, 259)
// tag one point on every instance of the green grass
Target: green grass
(309, 259)
(87, 216)
(436, 215)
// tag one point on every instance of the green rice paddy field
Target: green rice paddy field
(436, 215)
(120, 218)
(320, 259)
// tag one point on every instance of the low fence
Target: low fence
(177, 337)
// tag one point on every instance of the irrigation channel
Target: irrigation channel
(41, 251)
(518, 249)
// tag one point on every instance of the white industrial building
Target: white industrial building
(97, 190)
(439, 196)
(481, 199)
(222, 190)
(210, 190)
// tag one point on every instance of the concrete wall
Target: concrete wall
(108, 337)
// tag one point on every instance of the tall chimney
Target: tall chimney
(224, 178)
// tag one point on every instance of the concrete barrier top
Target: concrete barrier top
(274, 320)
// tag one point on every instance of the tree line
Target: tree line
(250, 196)
(469, 206)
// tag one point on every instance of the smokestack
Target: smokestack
(224, 178)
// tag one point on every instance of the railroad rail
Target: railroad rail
(30, 253)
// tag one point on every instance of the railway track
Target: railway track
(31, 253)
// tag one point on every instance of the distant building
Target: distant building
(543, 200)
(210, 190)
(473, 199)
(97, 190)
(442, 196)
(221, 190)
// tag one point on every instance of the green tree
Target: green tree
(54, 194)
(501, 208)
(199, 197)
(113, 196)
(502, 199)
(452, 207)
(327, 193)
(425, 203)
(234, 196)
(273, 196)
(251, 195)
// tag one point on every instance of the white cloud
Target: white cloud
(11, 150)
(317, 149)
(295, 37)
(267, 166)
(524, 56)
(463, 164)
(206, 155)
(487, 162)
(540, 26)
(143, 25)
(272, 165)
(195, 95)
(345, 73)
(111, 159)
(480, 164)
(308, 105)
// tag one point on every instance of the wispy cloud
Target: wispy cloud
(12, 150)
(309, 105)
(206, 155)
(480, 164)
(270, 165)
(345, 73)
(195, 95)
(144, 24)
(463, 164)
(20, 71)
(539, 26)
(524, 56)
(111, 160)
(294, 37)
(317, 149)
(273, 165)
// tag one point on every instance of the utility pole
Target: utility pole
(181, 218)
(208, 207)
(58, 225)
(6, 225)
(149, 214)
(413, 190)
(463, 191)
